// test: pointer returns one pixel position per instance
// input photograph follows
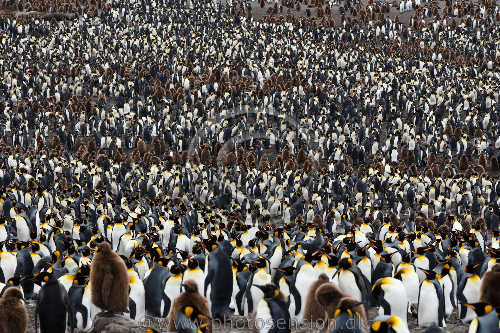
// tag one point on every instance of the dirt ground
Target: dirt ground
(239, 324)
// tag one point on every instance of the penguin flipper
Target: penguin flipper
(462, 300)
(452, 292)
(441, 306)
(69, 311)
(208, 280)
(132, 307)
(239, 299)
(296, 296)
(166, 308)
(84, 312)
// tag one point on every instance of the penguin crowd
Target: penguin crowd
(284, 168)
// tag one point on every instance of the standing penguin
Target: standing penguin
(219, 278)
(272, 313)
(352, 281)
(194, 272)
(53, 306)
(13, 314)
(173, 284)
(390, 294)
(410, 281)
(109, 280)
(157, 303)
(305, 277)
(468, 292)
(190, 297)
(137, 296)
(260, 277)
(430, 301)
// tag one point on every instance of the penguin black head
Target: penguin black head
(333, 261)
(345, 263)
(55, 256)
(35, 247)
(192, 263)
(177, 269)
(197, 248)
(184, 254)
(81, 276)
(377, 245)
(390, 325)
(269, 290)
(406, 258)
(420, 251)
(480, 308)
(288, 271)
(346, 305)
(127, 261)
(430, 275)
(261, 263)
(252, 243)
(495, 253)
(386, 257)
(14, 281)
(44, 276)
(473, 268)
(162, 262)
(239, 265)
(21, 245)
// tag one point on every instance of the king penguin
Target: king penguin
(272, 313)
(219, 278)
(430, 301)
(487, 319)
(390, 294)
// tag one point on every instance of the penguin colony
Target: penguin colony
(284, 169)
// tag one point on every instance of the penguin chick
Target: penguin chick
(314, 310)
(490, 287)
(329, 296)
(190, 297)
(13, 314)
(109, 280)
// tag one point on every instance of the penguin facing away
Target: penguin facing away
(219, 278)
(52, 307)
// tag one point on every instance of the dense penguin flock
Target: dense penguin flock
(288, 169)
